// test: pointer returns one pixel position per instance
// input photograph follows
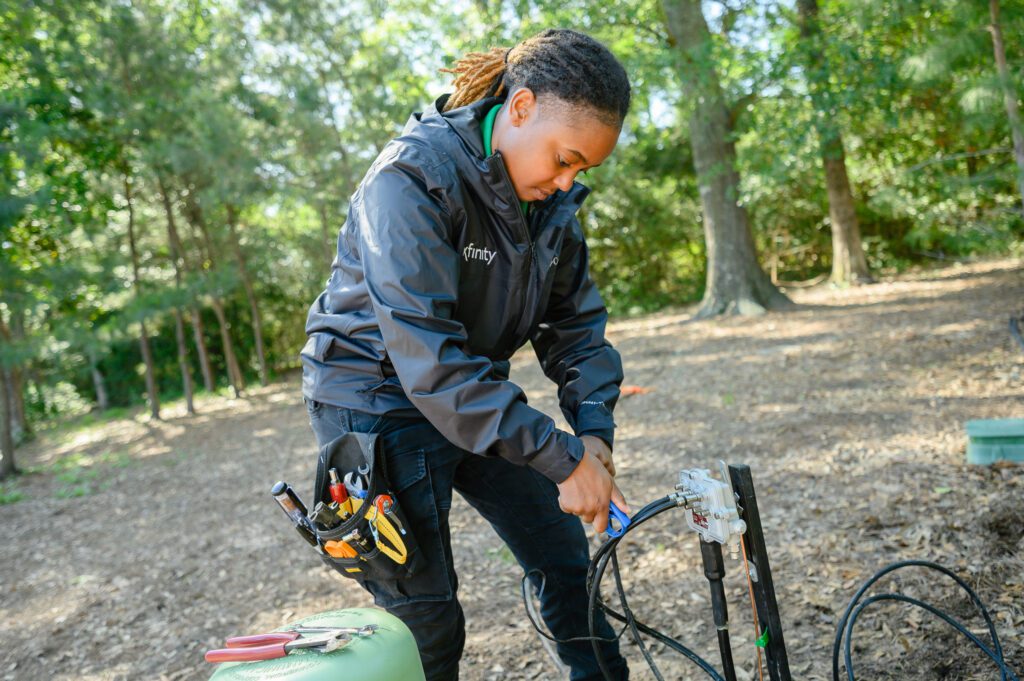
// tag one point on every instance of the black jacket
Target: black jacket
(439, 279)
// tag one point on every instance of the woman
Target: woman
(461, 245)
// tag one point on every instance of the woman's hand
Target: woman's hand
(588, 491)
(601, 450)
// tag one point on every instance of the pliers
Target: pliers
(280, 643)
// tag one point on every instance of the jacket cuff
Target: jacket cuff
(594, 418)
(559, 459)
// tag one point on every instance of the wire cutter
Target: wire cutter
(616, 515)
(280, 643)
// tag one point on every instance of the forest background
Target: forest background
(173, 174)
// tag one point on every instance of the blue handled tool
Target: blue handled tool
(616, 514)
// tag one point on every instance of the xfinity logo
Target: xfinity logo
(470, 252)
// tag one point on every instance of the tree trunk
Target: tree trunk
(204, 354)
(234, 371)
(7, 466)
(147, 355)
(186, 370)
(1009, 95)
(254, 308)
(98, 382)
(735, 281)
(198, 223)
(198, 334)
(849, 266)
(21, 429)
(7, 443)
(179, 323)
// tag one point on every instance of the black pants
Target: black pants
(521, 505)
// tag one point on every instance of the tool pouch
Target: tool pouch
(377, 546)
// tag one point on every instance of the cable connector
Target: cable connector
(710, 508)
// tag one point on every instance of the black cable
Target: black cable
(536, 626)
(593, 596)
(843, 629)
(595, 572)
(673, 644)
(632, 620)
(599, 564)
(644, 514)
(997, 658)
(606, 554)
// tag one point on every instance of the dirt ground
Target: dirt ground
(158, 539)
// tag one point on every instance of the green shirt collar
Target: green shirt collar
(487, 129)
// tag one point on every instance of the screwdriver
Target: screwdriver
(339, 493)
(293, 507)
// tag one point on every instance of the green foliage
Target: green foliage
(81, 475)
(9, 492)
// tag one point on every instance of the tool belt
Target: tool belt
(374, 542)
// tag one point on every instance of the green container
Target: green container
(991, 440)
(389, 654)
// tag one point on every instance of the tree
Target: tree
(152, 392)
(179, 322)
(250, 291)
(849, 266)
(735, 281)
(7, 464)
(201, 234)
(1009, 94)
(181, 266)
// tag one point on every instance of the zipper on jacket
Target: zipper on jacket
(524, 227)
(533, 274)
(536, 273)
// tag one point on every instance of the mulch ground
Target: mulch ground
(154, 540)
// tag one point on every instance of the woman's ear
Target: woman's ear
(522, 105)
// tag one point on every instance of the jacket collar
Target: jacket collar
(489, 176)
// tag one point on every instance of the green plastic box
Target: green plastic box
(390, 654)
(991, 440)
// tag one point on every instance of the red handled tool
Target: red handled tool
(338, 491)
(279, 643)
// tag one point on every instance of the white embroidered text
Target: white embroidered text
(471, 252)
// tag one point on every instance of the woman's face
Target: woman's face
(545, 143)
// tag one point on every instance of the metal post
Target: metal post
(761, 575)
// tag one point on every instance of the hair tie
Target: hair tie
(508, 52)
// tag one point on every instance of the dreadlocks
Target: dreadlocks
(566, 64)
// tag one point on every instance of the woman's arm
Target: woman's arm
(571, 346)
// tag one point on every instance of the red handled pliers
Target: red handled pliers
(280, 643)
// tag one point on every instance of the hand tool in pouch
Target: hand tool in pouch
(339, 494)
(293, 507)
(357, 482)
(325, 515)
(385, 505)
(394, 548)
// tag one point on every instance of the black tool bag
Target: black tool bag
(381, 554)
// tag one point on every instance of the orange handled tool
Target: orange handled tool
(340, 549)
